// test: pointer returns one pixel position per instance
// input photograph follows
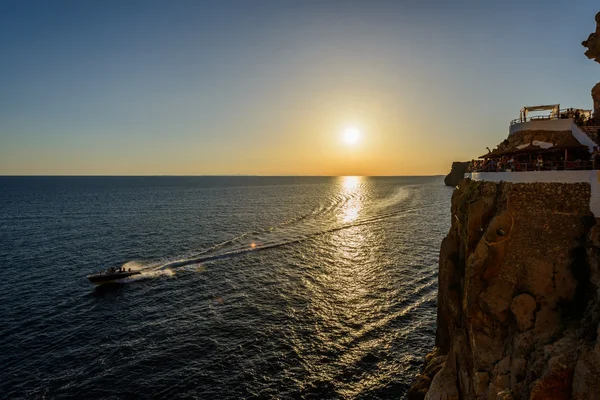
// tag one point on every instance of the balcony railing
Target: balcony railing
(534, 166)
(563, 114)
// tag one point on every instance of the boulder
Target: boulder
(523, 308)
(497, 298)
(443, 386)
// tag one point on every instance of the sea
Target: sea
(250, 287)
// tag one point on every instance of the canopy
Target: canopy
(494, 153)
(569, 143)
(530, 148)
(554, 108)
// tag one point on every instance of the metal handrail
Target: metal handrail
(533, 166)
(569, 112)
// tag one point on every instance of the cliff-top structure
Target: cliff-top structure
(519, 271)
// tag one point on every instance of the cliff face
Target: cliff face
(593, 42)
(456, 173)
(518, 296)
(593, 52)
(596, 100)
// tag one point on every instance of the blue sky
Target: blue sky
(265, 87)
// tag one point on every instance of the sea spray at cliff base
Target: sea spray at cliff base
(250, 287)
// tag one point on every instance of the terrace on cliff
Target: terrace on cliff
(554, 147)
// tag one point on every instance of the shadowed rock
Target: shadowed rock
(593, 52)
(508, 326)
(457, 173)
(593, 42)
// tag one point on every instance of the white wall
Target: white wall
(542, 125)
(582, 137)
(592, 177)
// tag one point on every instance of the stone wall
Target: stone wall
(516, 277)
(592, 177)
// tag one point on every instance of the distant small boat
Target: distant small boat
(111, 275)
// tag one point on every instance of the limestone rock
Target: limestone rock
(596, 101)
(434, 362)
(506, 395)
(523, 308)
(504, 365)
(443, 386)
(593, 42)
(524, 343)
(457, 173)
(586, 379)
(481, 381)
(538, 277)
(555, 386)
(499, 386)
(593, 52)
(497, 298)
(544, 270)
(594, 236)
(420, 388)
(487, 350)
(547, 323)
(517, 372)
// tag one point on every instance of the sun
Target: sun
(351, 135)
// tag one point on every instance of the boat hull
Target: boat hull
(105, 278)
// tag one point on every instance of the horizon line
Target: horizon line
(212, 175)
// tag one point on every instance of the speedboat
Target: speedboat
(111, 275)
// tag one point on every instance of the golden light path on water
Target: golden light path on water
(352, 190)
(342, 290)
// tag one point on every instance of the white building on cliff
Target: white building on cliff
(558, 146)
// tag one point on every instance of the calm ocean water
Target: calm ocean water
(251, 287)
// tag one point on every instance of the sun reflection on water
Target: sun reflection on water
(351, 190)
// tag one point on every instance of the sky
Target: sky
(258, 87)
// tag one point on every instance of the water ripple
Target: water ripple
(250, 287)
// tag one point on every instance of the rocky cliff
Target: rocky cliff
(593, 52)
(593, 42)
(518, 296)
(456, 173)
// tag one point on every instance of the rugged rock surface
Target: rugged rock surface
(593, 52)
(529, 136)
(596, 99)
(593, 42)
(457, 173)
(518, 305)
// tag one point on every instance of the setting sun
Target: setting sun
(351, 135)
